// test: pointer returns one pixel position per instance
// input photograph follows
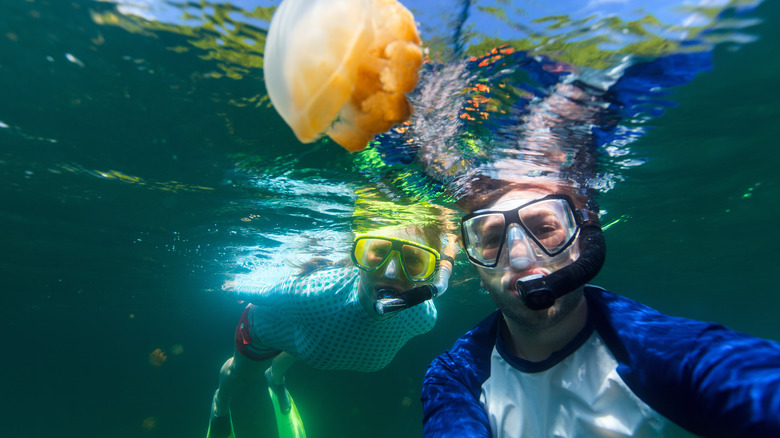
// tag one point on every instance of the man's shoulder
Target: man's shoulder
(474, 346)
(636, 333)
(466, 365)
(616, 310)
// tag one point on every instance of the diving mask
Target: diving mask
(419, 263)
(546, 228)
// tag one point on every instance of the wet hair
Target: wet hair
(430, 233)
(485, 191)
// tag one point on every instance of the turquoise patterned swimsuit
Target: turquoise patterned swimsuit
(319, 319)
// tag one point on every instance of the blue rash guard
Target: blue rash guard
(631, 372)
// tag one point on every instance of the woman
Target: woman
(353, 317)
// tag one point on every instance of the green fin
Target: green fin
(289, 424)
(232, 434)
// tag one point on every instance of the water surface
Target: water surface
(142, 166)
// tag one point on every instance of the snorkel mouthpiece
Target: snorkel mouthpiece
(389, 301)
(540, 293)
(535, 293)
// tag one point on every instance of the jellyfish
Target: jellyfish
(149, 424)
(177, 350)
(157, 357)
(342, 68)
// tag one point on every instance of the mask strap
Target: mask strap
(541, 293)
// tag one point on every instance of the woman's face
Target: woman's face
(390, 274)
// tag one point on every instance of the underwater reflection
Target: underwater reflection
(142, 164)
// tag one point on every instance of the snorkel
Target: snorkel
(390, 301)
(540, 292)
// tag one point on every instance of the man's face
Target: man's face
(520, 257)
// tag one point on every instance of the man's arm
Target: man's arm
(451, 406)
(710, 380)
(736, 382)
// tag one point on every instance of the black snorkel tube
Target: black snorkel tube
(541, 293)
(389, 301)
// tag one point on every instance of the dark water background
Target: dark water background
(129, 174)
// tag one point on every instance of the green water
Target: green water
(129, 185)
(699, 239)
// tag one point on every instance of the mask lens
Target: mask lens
(483, 236)
(371, 252)
(550, 222)
(418, 263)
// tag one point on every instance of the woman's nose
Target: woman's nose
(391, 270)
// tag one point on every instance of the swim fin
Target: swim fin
(220, 427)
(289, 425)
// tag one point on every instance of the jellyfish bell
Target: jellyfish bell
(341, 68)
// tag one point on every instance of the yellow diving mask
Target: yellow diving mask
(418, 262)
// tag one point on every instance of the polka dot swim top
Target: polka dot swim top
(319, 319)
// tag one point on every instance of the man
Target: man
(561, 358)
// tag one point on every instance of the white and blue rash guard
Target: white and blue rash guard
(631, 372)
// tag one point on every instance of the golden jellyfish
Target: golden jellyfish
(177, 350)
(342, 68)
(149, 424)
(157, 357)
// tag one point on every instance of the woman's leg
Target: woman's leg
(236, 372)
(279, 366)
(274, 376)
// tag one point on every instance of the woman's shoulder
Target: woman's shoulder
(420, 318)
(328, 280)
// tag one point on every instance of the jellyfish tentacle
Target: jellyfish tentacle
(345, 132)
(374, 64)
(405, 60)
